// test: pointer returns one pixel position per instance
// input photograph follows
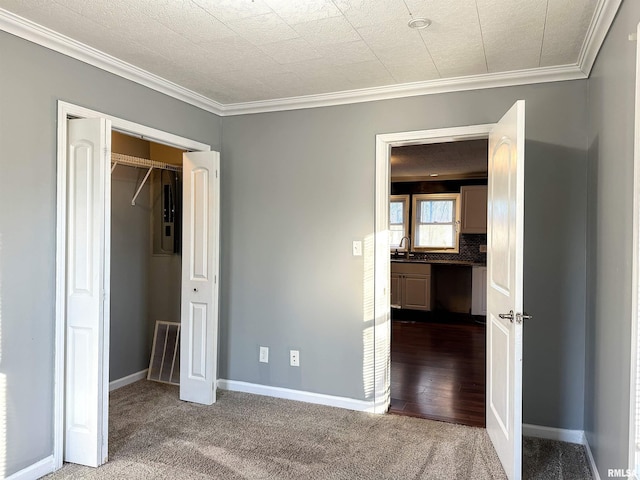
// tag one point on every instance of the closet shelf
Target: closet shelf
(121, 159)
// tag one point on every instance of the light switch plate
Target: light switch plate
(264, 354)
(357, 248)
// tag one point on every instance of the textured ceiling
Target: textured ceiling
(452, 160)
(234, 51)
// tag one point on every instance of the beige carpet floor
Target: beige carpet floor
(153, 435)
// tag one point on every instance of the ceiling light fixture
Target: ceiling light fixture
(433, 175)
(419, 23)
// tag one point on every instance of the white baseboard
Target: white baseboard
(299, 395)
(551, 433)
(592, 462)
(37, 470)
(124, 381)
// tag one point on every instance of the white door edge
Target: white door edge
(634, 380)
(68, 110)
(381, 283)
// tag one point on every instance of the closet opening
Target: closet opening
(146, 261)
(89, 360)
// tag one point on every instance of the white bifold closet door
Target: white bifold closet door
(87, 267)
(200, 266)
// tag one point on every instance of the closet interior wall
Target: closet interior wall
(145, 287)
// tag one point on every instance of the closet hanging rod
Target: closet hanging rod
(121, 159)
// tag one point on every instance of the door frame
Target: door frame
(382, 297)
(65, 111)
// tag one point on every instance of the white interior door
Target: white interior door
(505, 228)
(87, 247)
(200, 272)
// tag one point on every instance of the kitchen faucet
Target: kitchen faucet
(408, 239)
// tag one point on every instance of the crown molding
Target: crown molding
(430, 87)
(33, 32)
(600, 24)
(601, 21)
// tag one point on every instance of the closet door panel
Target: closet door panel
(200, 267)
(86, 307)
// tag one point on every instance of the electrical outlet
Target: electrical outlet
(294, 358)
(357, 248)
(264, 354)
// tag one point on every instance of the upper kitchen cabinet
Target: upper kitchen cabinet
(474, 209)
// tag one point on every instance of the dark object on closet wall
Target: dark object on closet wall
(177, 229)
(168, 215)
(167, 212)
(168, 193)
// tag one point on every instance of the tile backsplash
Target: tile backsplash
(469, 250)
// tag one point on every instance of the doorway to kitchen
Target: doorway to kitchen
(505, 288)
(438, 225)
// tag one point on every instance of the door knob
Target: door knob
(519, 317)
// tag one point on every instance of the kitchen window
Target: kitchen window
(398, 221)
(436, 222)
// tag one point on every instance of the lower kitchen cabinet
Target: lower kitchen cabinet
(479, 291)
(411, 286)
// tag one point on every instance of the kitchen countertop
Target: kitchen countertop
(439, 262)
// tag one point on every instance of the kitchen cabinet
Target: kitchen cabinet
(411, 286)
(396, 289)
(474, 209)
(479, 291)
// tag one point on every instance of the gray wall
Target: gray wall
(32, 79)
(165, 275)
(611, 127)
(298, 187)
(144, 287)
(130, 338)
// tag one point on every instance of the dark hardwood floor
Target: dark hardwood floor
(438, 368)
